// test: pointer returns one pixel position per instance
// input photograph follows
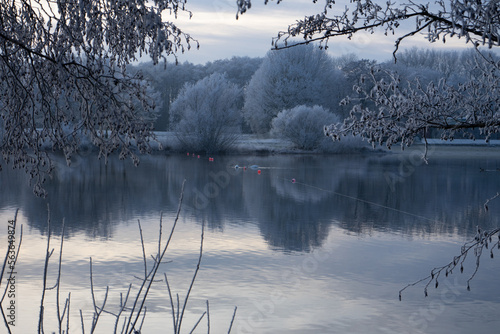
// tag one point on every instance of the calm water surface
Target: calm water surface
(312, 244)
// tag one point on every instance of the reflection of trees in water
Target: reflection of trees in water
(435, 198)
(291, 216)
(444, 197)
(92, 196)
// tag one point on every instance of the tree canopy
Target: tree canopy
(63, 71)
(204, 115)
(475, 21)
(304, 75)
(398, 113)
(63, 75)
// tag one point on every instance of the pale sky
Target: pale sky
(221, 36)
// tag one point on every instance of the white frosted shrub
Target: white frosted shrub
(303, 126)
(205, 116)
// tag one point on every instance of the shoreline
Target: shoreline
(265, 145)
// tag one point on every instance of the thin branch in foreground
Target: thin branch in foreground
(174, 318)
(208, 317)
(232, 320)
(198, 322)
(131, 324)
(483, 239)
(143, 317)
(490, 199)
(45, 269)
(67, 317)
(160, 233)
(143, 250)
(149, 278)
(58, 284)
(193, 279)
(81, 320)
(97, 310)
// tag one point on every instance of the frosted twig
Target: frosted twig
(232, 320)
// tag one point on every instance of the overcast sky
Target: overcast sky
(221, 36)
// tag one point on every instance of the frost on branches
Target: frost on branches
(476, 21)
(63, 76)
(398, 111)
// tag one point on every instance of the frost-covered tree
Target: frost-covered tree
(168, 82)
(205, 116)
(303, 125)
(304, 75)
(238, 70)
(63, 72)
(401, 114)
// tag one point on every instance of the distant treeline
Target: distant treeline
(283, 80)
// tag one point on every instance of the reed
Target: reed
(130, 313)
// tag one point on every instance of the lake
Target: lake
(300, 243)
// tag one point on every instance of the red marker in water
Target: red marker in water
(258, 172)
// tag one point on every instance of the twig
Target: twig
(67, 317)
(194, 278)
(178, 314)
(81, 320)
(123, 327)
(97, 310)
(171, 303)
(143, 250)
(122, 306)
(198, 322)
(208, 317)
(232, 320)
(490, 199)
(481, 240)
(150, 276)
(143, 317)
(58, 281)
(160, 233)
(44, 286)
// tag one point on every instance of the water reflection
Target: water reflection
(355, 193)
(336, 245)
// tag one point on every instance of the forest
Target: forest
(291, 93)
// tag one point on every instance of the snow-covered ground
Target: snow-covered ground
(245, 144)
(250, 143)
